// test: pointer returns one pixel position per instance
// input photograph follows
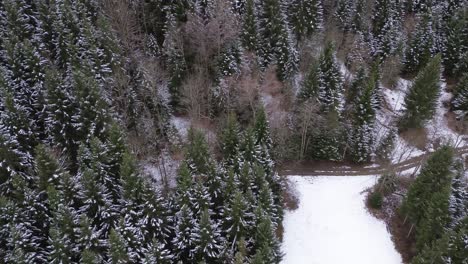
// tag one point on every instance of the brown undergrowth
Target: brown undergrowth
(400, 229)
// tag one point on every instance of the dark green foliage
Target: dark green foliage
(310, 85)
(330, 83)
(421, 99)
(275, 43)
(365, 96)
(460, 98)
(375, 200)
(249, 28)
(305, 17)
(422, 45)
(456, 51)
(426, 203)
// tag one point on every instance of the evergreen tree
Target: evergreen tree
(421, 99)
(117, 248)
(230, 141)
(156, 253)
(435, 219)
(421, 47)
(460, 98)
(305, 17)
(206, 239)
(455, 52)
(249, 37)
(183, 240)
(266, 242)
(236, 218)
(429, 191)
(310, 85)
(358, 23)
(330, 90)
(198, 155)
(362, 134)
(386, 27)
(176, 64)
(343, 14)
(275, 44)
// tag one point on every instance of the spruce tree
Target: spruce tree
(117, 248)
(275, 44)
(207, 240)
(460, 98)
(429, 186)
(330, 86)
(421, 47)
(455, 52)
(305, 17)
(156, 253)
(362, 134)
(249, 37)
(266, 241)
(421, 99)
(310, 85)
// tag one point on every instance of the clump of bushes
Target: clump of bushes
(375, 200)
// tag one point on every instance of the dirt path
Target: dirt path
(326, 168)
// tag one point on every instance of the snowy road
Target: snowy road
(332, 226)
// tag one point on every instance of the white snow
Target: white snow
(396, 97)
(403, 151)
(332, 226)
(182, 124)
(162, 170)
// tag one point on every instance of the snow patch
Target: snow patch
(162, 171)
(182, 124)
(403, 151)
(332, 225)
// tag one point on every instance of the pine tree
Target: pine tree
(230, 141)
(177, 68)
(266, 241)
(198, 155)
(275, 44)
(358, 23)
(428, 187)
(343, 14)
(156, 253)
(460, 98)
(236, 218)
(46, 168)
(310, 85)
(183, 241)
(421, 99)
(249, 37)
(362, 134)
(386, 27)
(207, 239)
(117, 248)
(422, 45)
(435, 219)
(330, 91)
(305, 17)
(456, 50)
(62, 115)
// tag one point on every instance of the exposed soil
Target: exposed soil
(329, 168)
(416, 136)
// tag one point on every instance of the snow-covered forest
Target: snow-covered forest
(162, 131)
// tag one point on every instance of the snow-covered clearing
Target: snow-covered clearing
(332, 226)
